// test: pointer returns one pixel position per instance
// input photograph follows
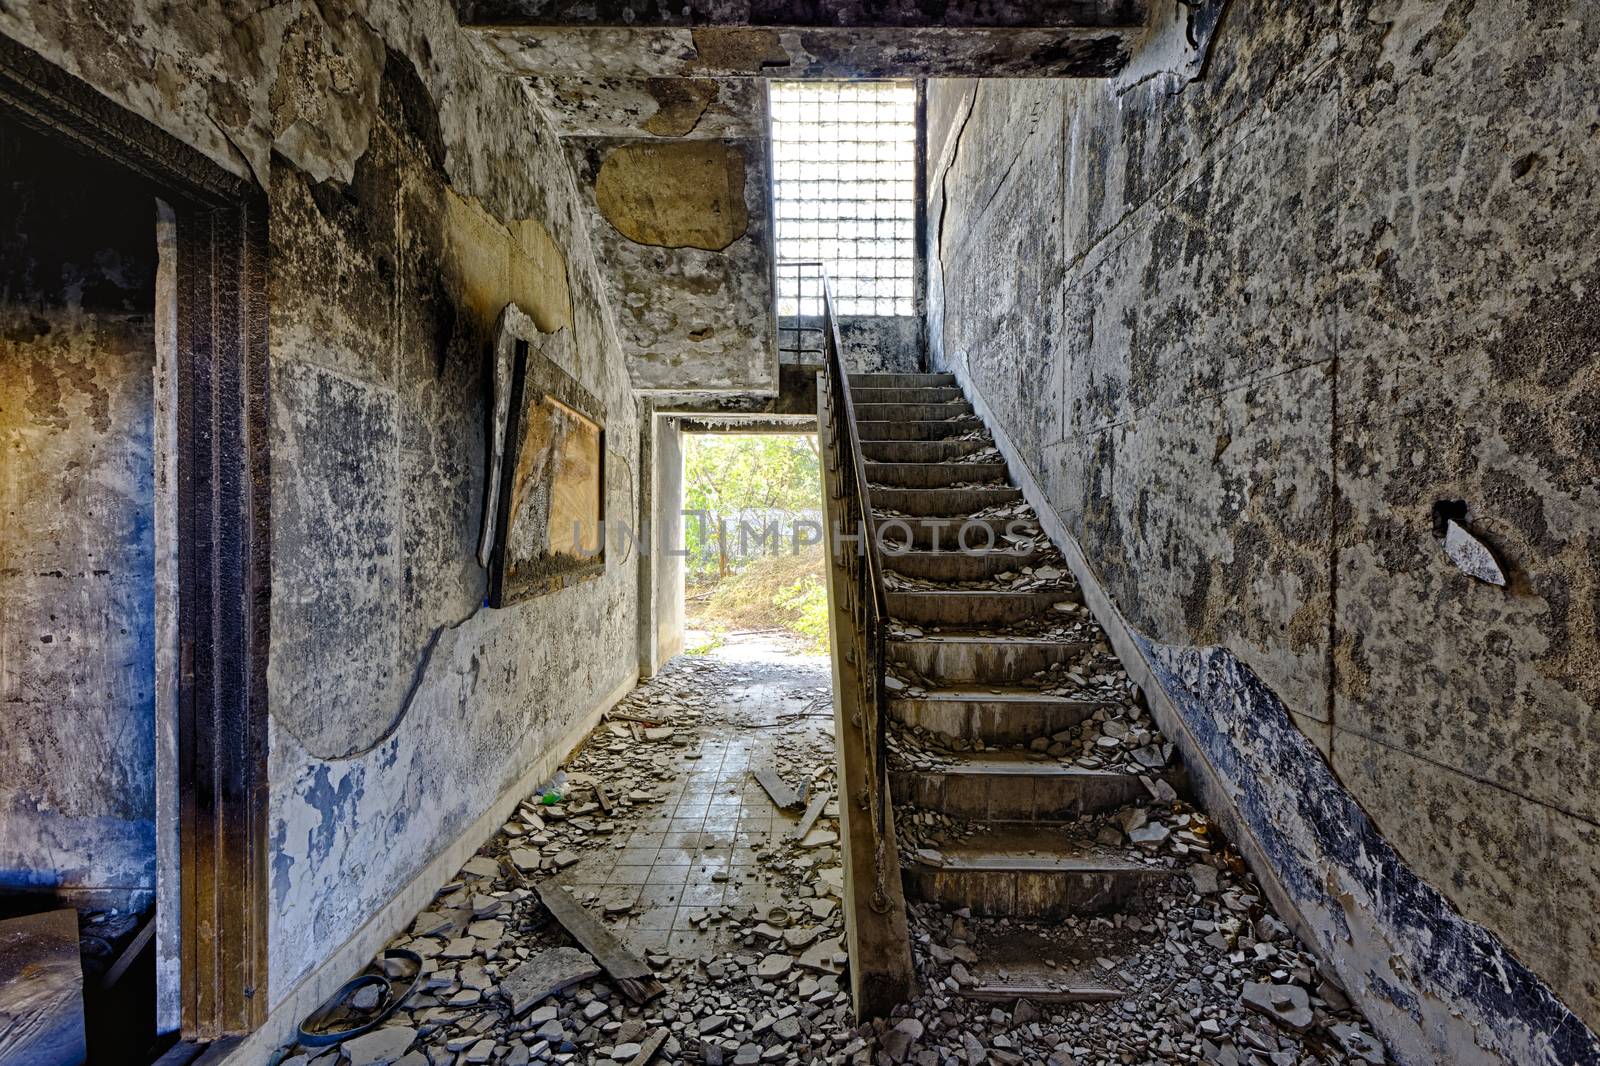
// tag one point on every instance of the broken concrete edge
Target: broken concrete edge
(882, 974)
(367, 942)
(1176, 46)
(1438, 988)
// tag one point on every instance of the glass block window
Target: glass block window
(844, 188)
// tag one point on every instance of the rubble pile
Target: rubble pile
(503, 981)
(1196, 970)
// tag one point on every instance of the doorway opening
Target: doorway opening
(134, 576)
(754, 533)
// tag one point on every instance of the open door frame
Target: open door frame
(222, 531)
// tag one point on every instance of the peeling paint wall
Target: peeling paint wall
(1245, 336)
(685, 231)
(77, 509)
(412, 194)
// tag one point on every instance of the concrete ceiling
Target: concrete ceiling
(810, 38)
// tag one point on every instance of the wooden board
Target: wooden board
(813, 812)
(781, 793)
(648, 1050)
(631, 973)
(41, 990)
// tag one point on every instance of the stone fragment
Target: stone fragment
(1288, 1005)
(1471, 556)
(379, 1047)
(1356, 1041)
(544, 974)
(1204, 878)
(481, 866)
(775, 965)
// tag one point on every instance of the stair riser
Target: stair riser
(861, 394)
(950, 533)
(911, 412)
(948, 565)
(996, 723)
(934, 475)
(870, 430)
(1008, 894)
(973, 609)
(919, 451)
(1015, 797)
(939, 503)
(994, 662)
(902, 381)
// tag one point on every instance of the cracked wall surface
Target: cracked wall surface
(412, 194)
(77, 518)
(1245, 335)
(673, 174)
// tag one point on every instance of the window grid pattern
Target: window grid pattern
(844, 189)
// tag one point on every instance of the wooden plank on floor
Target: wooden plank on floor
(631, 973)
(813, 812)
(784, 796)
(648, 1049)
(41, 989)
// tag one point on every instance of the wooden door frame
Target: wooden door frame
(222, 531)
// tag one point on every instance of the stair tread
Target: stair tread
(1036, 848)
(999, 694)
(1065, 594)
(948, 637)
(1016, 764)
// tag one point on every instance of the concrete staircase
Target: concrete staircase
(975, 646)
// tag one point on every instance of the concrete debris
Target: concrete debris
(1285, 1004)
(761, 980)
(545, 974)
(1471, 556)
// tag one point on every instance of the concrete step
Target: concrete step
(938, 503)
(1013, 965)
(973, 607)
(902, 381)
(920, 451)
(912, 412)
(1028, 872)
(993, 714)
(933, 475)
(874, 429)
(938, 394)
(951, 532)
(1014, 786)
(978, 658)
(958, 565)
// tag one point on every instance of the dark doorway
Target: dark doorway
(111, 449)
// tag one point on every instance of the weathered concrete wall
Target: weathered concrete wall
(882, 343)
(674, 175)
(871, 343)
(77, 568)
(412, 195)
(1246, 335)
(684, 228)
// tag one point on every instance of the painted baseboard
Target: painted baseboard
(1438, 988)
(353, 955)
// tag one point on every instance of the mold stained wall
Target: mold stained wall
(1244, 336)
(412, 194)
(77, 519)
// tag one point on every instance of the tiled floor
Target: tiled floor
(696, 852)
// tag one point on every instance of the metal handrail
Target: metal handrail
(869, 606)
(802, 346)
